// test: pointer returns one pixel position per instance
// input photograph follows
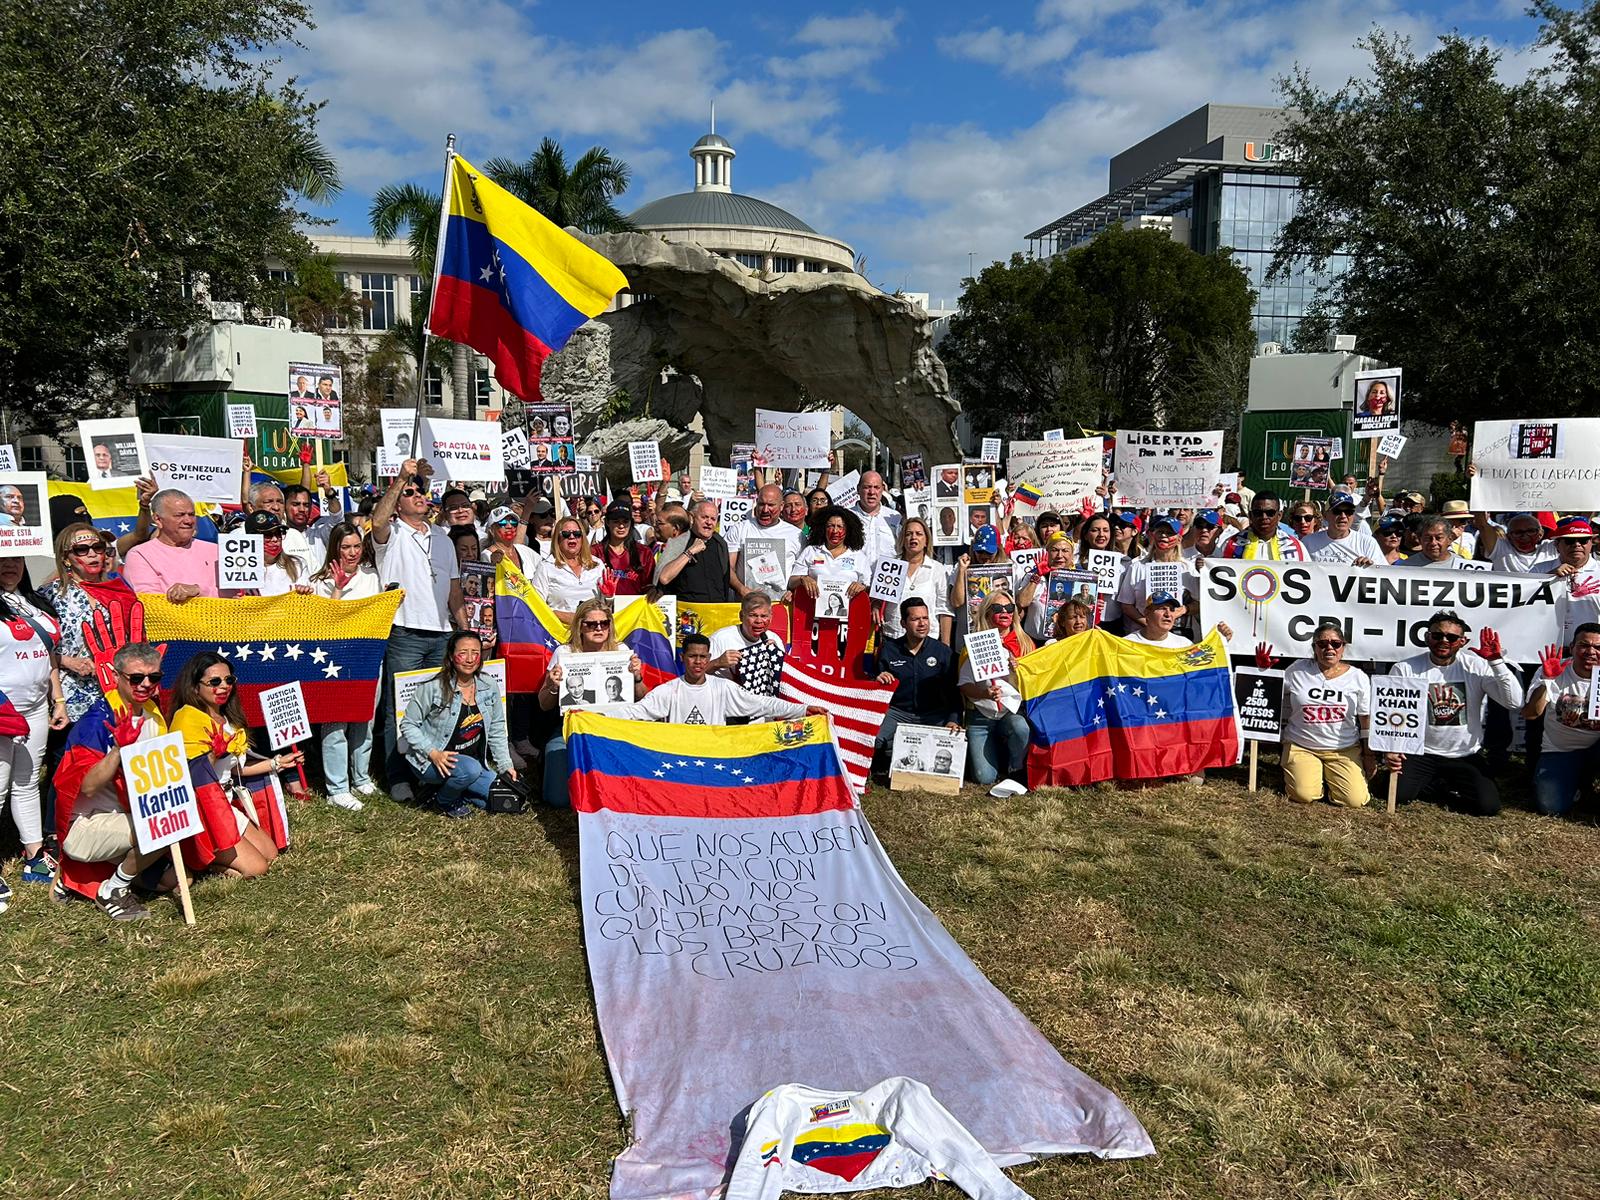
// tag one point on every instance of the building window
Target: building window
(784, 262)
(344, 282)
(31, 458)
(419, 291)
(378, 293)
(76, 467)
(435, 385)
(753, 261)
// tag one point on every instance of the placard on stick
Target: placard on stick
(241, 561)
(241, 420)
(889, 580)
(162, 802)
(987, 654)
(1399, 721)
(927, 758)
(644, 459)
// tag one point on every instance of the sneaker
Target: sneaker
(60, 893)
(401, 792)
(460, 812)
(346, 801)
(121, 906)
(38, 869)
(5, 895)
(366, 789)
(1007, 788)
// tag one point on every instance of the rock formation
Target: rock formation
(707, 336)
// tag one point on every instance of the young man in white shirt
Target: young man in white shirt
(1449, 769)
(697, 698)
(1343, 542)
(421, 559)
(1570, 758)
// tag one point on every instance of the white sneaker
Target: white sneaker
(366, 789)
(1006, 788)
(345, 800)
(401, 792)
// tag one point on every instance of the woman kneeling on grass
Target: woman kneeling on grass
(455, 725)
(997, 732)
(1325, 707)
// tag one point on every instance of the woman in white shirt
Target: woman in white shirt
(347, 574)
(570, 575)
(1059, 555)
(1326, 703)
(593, 632)
(834, 553)
(926, 578)
(284, 572)
(997, 732)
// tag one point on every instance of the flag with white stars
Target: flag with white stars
(333, 648)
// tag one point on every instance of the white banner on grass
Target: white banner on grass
(1531, 466)
(1066, 470)
(783, 948)
(786, 439)
(1167, 470)
(207, 470)
(463, 451)
(1383, 611)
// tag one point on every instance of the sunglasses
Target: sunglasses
(596, 624)
(139, 678)
(1004, 608)
(567, 535)
(1435, 635)
(219, 681)
(411, 492)
(1328, 644)
(85, 550)
(1302, 516)
(1263, 512)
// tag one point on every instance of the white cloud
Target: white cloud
(868, 29)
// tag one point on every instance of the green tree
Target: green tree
(1458, 210)
(583, 197)
(314, 297)
(150, 156)
(1123, 331)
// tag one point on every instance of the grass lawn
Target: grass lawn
(1296, 1002)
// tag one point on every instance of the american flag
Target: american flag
(818, 671)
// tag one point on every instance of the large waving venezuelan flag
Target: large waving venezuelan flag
(511, 284)
(1102, 707)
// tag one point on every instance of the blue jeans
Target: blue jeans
(346, 755)
(469, 781)
(555, 773)
(996, 746)
(409, 650)
(1560, 776)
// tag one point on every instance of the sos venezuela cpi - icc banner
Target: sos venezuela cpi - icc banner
(745, 929)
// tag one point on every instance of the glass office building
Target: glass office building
(1213, 179)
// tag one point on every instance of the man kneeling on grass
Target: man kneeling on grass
(697, 698)
(99, 850)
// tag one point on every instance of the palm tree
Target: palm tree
(583, 196)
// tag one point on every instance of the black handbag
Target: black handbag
(507, 796)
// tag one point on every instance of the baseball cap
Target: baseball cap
(1574, 527)
(1159, 599)
(1123, 517)
(986, 540)
(478, 494)
(1392, 524)
(618, 512)
(1413, 498)
(1342, 500)
(502, 514)
(1208, 516)
(1169, 524)
(263, 522)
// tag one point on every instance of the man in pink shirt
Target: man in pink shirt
(173, 563)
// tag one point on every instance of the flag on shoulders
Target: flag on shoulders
(641, 628)
(528, 628)
(334, 648)
(1102, 707)
(511, 284)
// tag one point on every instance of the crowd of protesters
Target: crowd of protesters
(82, 700)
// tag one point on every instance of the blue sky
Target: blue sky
(918, 134)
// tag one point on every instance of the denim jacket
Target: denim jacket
(431, 718)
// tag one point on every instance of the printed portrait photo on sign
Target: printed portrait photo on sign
(113, 451)
(1377, 403)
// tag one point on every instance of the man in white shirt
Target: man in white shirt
(1449, 769)
(749, 653)
(1570, 758)
(1343, 543)
(1521, 549)
(1434, 553)
(696, 698)
(879, 524)
(1161, 613)
(421, 559)
(764, 524)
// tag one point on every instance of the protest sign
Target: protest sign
(889, 580)
(1055, 435)
(595, 681)
(1107, 566)
(927, 758)
(919, 503)
(843, 491)
(241, 420)
(1066, 471)
(1167, 470)
(477, 597)
(913, 474)
(397, 426)
(949, 529)
(1399, 720)
(162, 802)
(1024, 563)
(981, 580)
(1592, 713)
(1383, 612)
(785, 439)
(514, 448)
(977, 482)
(947, 482)
(1391, 446)
(462, 451)
(1312, 464)
(1165, 577)
(987, 654)
(114, 451)
(1533, 466)
(241, 561)
(764, 564)
(1062, 585)
(833, 599)
(718, 483)
(742, 456)
(8, 457)
(990, 452)
(1258, 699)
(735, 509)
(316, 409)
(283, 708)
(25, 513)
(585, 463)
(406, 684)
(1377, 403)
(644, 460)
(551, 449)
(207, 470)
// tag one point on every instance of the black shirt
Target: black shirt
(704, 579)
(925, 680)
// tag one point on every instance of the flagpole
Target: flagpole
(445, 195)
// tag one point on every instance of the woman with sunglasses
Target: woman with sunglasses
(505, 539)
(347, 573)
(570, 575)
(593, 632)
(239, 834)
(1391, 537)
(1162, 569)
(1326, 703)
(997, 732)
(1303, 519)
(30, 677)
(85, 585)
(455, 724)
(628, 564)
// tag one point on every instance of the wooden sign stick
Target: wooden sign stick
(183, 883)
(1253, 746)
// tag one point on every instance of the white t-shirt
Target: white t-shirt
(929, 583)
(1174, 641)
(424, 564)
(712, 702)
(1507, 559)
(882, 530)
(1575, 610)
(1320, 713)
(731, 637)
(563, 590)
(275, 579)
(363, 583)
(778, 531)
(1566, 718)
(24, 658)
(818, 563)
(1455, 697)
(1358, 543)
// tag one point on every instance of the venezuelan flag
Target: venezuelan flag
(708, 618)
(780, 769)
(1102, 707)
(511, 284)
(643, 630)
(842, 1150)
(116, 510)
(529, 629)
(266, 641)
